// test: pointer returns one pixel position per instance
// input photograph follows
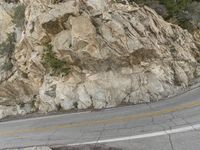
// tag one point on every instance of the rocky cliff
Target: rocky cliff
(78, 54)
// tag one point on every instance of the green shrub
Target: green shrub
(7, 66)
(6, 49)
(56, 65)
(174, 7)
(19, 15)
(185, 13)
(190, 18)
(11, 1)
(75, 104)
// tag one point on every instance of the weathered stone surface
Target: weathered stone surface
(118, 53)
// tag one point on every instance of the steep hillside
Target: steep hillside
(67, 54)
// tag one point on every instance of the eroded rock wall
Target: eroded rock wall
(118, 53)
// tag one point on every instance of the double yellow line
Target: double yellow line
(113, 120)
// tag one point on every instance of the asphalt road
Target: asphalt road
(172, 124)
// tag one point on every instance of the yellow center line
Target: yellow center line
(113, 120)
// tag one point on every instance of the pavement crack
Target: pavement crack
(50, 136)
(170, 141)
(100, 135)
(190, 124)
(173, 117)
(151, 108)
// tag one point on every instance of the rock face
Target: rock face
(118, 53)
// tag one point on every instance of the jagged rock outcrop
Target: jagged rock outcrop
(118, 53)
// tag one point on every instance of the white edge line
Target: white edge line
(141, 136)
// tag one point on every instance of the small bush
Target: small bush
(6, 49)
(175, 7)
(19, 15)
(185, 13)
(11, 1)
(75, 104)
(56, 65)
(190, 18)
(7, 66)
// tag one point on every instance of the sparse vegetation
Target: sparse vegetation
(11, 1)
(55, 65)
(75, 104)
(19, 15)
(185, 13)
(190, 17)
(173, 6)
(8, 46)
(6, 49)
(7, 66)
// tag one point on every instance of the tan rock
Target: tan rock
(118, 53)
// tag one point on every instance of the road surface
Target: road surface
(172, 124)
